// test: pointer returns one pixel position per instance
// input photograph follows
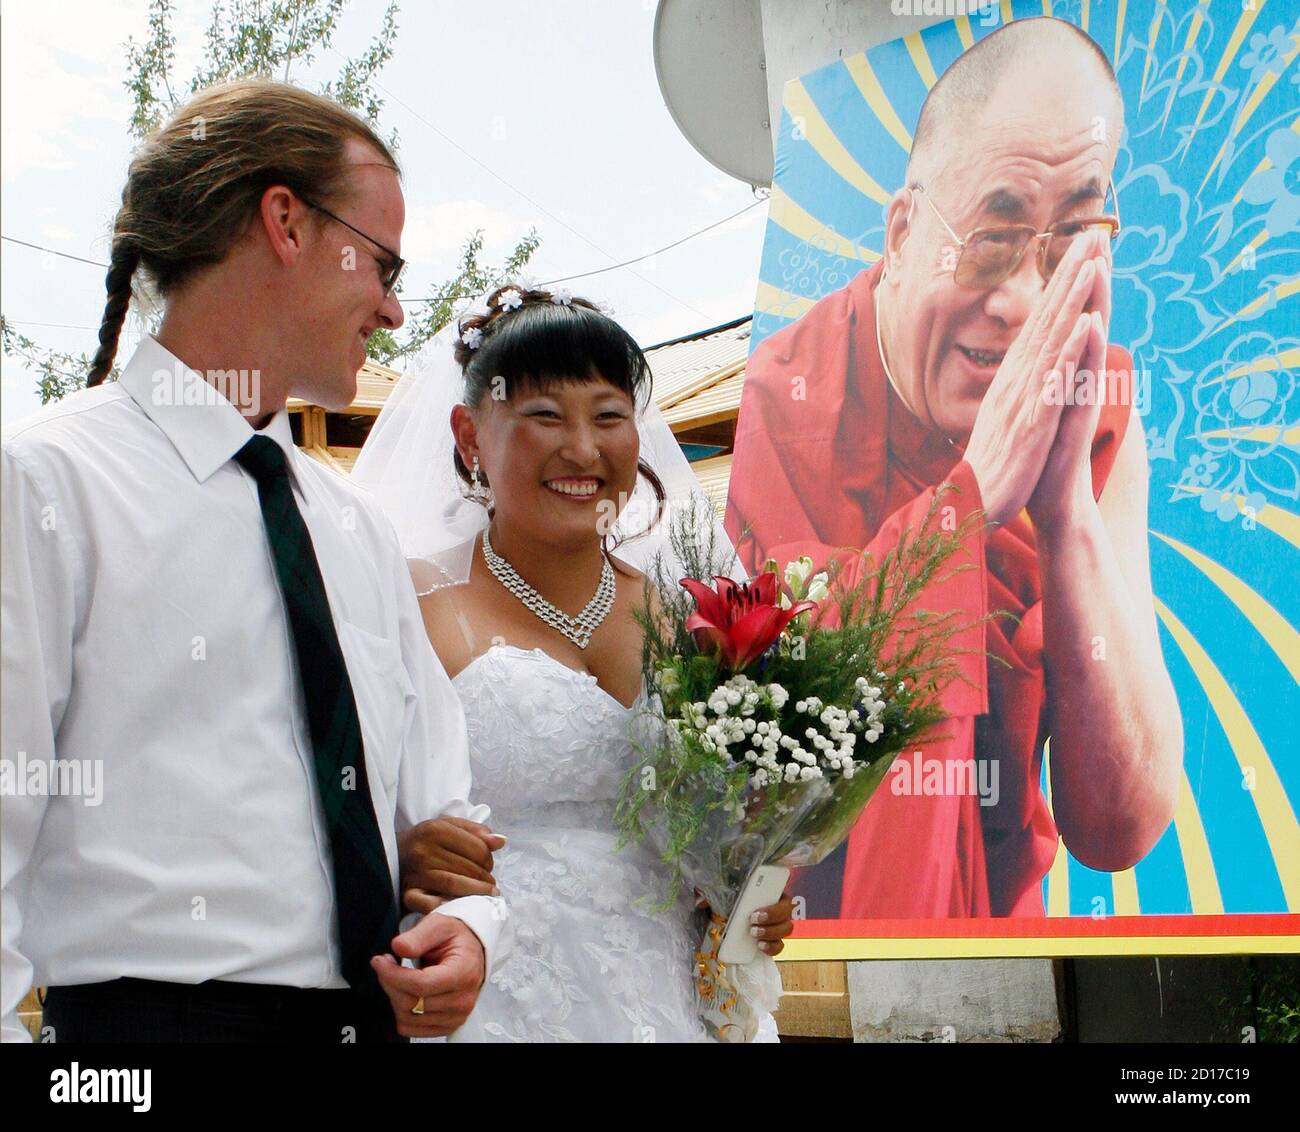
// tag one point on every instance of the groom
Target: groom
(220, 635)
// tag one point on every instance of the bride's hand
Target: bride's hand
(444, 858)
(772, 924)
(768, 925)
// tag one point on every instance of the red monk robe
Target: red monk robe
(849, 465)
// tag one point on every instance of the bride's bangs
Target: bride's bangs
(542, 347)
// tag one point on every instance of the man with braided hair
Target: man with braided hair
(223, 634)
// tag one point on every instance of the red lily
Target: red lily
(739, 619)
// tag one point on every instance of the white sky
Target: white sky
(558, 100)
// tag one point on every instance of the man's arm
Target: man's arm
(1117, 738)
(39, 614)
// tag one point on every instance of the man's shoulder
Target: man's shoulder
(333, 481)
(836, 312)
(70, 426)
(343, 492)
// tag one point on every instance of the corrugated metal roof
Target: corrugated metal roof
(718, 402)
(683, 367)
(714, 475)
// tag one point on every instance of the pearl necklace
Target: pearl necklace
(577, 629)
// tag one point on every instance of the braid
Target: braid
(121, 268)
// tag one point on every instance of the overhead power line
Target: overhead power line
(57, 325)
(520, 192)
(626, 262)
(51, 251)
(439, 298)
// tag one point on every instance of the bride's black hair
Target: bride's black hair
(549, 338)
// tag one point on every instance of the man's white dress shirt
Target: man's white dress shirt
(146, 643)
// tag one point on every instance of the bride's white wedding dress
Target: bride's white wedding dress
(592, 961)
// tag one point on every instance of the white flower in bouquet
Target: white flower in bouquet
(796, 572)
(818, 588)
(667, 680)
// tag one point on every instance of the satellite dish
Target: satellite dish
(709, 61)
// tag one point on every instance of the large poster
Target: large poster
(1113, 187)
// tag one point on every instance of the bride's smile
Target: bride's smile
(582, 490)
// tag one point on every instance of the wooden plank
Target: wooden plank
(816, 1001)
(29, 1014)
(313, 428)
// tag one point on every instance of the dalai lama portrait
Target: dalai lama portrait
(975, 353)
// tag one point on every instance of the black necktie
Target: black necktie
(363, 886)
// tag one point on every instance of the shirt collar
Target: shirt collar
(203, 426)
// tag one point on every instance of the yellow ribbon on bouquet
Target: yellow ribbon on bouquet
(710, 971)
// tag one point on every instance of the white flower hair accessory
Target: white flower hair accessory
(562, 296)
(510, 300)
(473, 308)
(473, 337)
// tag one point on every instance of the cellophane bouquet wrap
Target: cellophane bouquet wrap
(777, 706)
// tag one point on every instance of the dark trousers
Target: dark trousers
(143, 1010)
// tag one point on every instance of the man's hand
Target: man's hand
(1017, 422)
(1066, 482)
(446, 987)
(444, 858)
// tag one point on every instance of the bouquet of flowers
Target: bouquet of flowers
(777, 707)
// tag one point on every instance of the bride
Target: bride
(514, 520)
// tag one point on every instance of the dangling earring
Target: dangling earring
(479, 492)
